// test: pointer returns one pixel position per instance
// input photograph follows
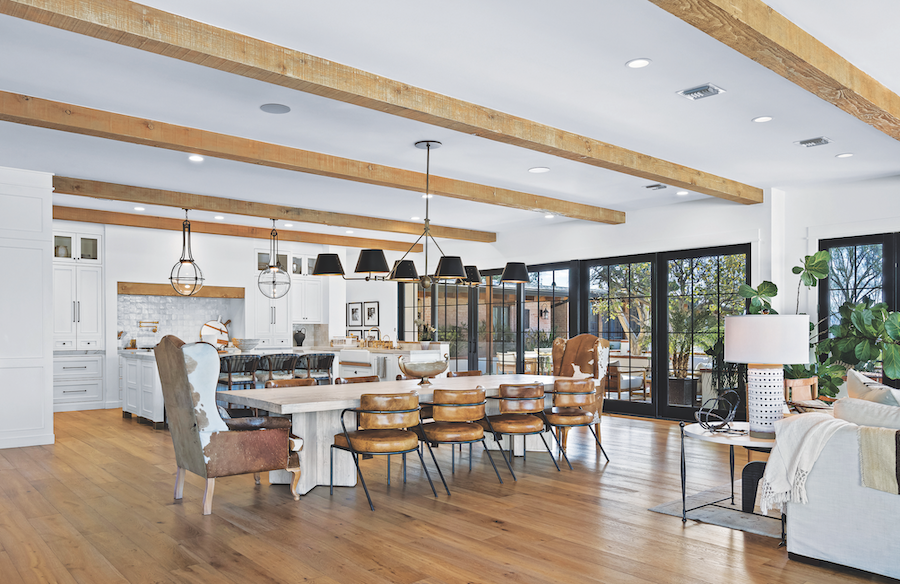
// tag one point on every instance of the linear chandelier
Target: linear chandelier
(372, 261)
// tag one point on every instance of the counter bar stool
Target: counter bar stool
(278, 366)
(316, 366)
(575, 403)
(521, 414)
(237, 370)
(456, 413)
(383, 422)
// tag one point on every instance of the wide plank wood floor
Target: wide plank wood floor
(97, 507)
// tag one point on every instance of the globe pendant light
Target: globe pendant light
(274, 281)
(186, 277)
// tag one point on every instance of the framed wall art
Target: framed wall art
(370, 313)
(354, 314)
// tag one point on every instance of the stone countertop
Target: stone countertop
(137, 353)
(81, 353)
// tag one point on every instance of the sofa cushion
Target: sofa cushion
(861, 387)
(867, 413)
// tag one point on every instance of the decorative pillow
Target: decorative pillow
(861, 387)
(867, 413)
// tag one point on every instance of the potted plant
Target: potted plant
(867, 332)
(826, 367)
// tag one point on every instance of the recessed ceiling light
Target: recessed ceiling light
(195, 158)
(274, 108)
(138, 208)
(762, 119)
(348, 231)
(218, 217)
(429, 196)
(288, 224)
(844, 155)
(637, 63)
(414, 218)
(681, 193)
(539, 169)
(548, 216)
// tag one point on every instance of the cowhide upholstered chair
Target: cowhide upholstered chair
(205, 443)
(581, 356)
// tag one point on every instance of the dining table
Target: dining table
(316, 411)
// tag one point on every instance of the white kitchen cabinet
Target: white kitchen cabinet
(272, 321)
(306, 299)
(84, 248)
(77, 307)
(143, 391)
(77, 383)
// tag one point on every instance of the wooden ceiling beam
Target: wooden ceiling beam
(163, 33)
(753, 29)
(141, 195)
(150, 222)
(43, 113)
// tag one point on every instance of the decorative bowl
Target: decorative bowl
(245, 344)
(423, 370)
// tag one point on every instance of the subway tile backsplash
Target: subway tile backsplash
(177, 315)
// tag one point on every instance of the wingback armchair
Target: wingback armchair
(580, 355)
(205, 443)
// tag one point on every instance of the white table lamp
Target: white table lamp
(766, 342)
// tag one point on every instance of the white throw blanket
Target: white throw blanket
(798, 442)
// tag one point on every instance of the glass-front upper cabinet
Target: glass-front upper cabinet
(302, 265)
(76, 247)
(262, 260)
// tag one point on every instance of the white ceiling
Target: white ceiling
(560, 64)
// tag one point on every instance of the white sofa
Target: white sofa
(844, 522)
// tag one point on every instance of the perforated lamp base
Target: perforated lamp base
(765, 399)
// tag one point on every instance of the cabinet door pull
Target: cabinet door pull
(73, 367)
(74, 391)
(79, 311)
(73, 311)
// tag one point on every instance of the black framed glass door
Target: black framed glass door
(699, 288)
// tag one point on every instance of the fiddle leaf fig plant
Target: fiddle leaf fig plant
(760, 298)
(866, 333)
(814, 268)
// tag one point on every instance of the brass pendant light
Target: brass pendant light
(186, 277)
(274, 281)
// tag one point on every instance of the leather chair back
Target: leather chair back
(574, 393)
(302, 382)
(454, 405)
(396, 411)
(580, 352)
(463, 373)
(361, 379)
(524, 398)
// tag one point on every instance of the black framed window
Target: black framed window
(545, 315)
(860, 268)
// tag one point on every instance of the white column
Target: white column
(26, 308)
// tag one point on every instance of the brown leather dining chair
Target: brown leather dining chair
(474, 373)
(360, 379)
(204, 442)
(521, 414)
(456, 414)
(383, 422)
(575, 403)
(301, 382)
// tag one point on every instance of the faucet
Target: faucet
(366, 335)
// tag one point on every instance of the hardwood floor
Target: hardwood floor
(97, 507)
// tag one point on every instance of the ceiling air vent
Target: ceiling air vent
(655, 187)
(696, 93)
(820, 141)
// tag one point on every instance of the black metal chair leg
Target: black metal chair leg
(491, 458)
(428, 476)
(452, 460)
(437, 466)
(362, 480)
(404, 467)
(597, 438)
(503, 453)
(561, 449)
(389, 470)
(470, 456)
(550, 452)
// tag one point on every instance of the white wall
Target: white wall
(26, 308)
